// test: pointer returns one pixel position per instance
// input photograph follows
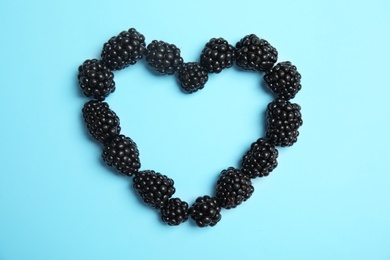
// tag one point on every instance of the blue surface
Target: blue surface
(327, 199)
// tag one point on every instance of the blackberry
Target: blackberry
(217, 55)
(205, 211)
(283, 120)
(192, 77)
(122, 154)
(102, 122)
(174, 212)
(154, 188)
(95, 79)
(254, 53)
(260, 160)
(123, 50)
(233, 188)
(163, 57)
(284, 80)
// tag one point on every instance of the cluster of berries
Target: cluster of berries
(234, 186)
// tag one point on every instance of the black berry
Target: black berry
(283, 120)
(163, 57)
(122, 154)
(217, 55)
(192, 77)
(174, 212)
(205, 211)
(254, 53)
(95, 79)
(154, 188)
(123, 50)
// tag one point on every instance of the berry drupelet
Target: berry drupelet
(283, 120)
(254, 53)
(205, 211)
(154, 188)
(174, 212)
(123, 50)
(192, 77)
(260, 160)
(163, 57)
(233, 188)
(122, 154)
(102, 123)
(95, 79)
(284, 80)
(217, 55)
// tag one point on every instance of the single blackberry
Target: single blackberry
(260, 160)
(217, 55)
(122, 154)
(101, 121)
(192, 77)
(233, 188)
(174, 212)
(123, 50)
(284, 80)
(283, 120)
(205, 211)
(154, 188)
(163, 57)
(95, 79)
(254, 53)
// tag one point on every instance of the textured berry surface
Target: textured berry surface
(95, 79)
(260, 160)
(174, 212)
(217, 55)
(154, 188)
(102, 123)
(233, 188)
(205, 211)
(254, 53)
(192, 77)
(164, 57)
(284, 80)
(122, 154)
(123, 50)
(283, 120)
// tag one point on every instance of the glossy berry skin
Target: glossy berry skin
(283, 120)
(123, 50)
(154, 188)
(192, 77)
(284, 80)
(174, 212)
(163, 57)
(102, 123)
(254, 53)
(122, 154)
(260, 160)
(233, 188)
(205, 211)
(217, 55)
(95, 79)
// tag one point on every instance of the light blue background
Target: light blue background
(327, 199)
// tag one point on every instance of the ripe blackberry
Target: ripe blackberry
(163, 57)
(101, 121)
(217, 55)
(95, 79)
(174, 212)
(283, 120)
(154, 188)
(122, 154)
(123, 50)
(233, 188)
(192, 77)
(254, 53)
(205, 211)
(260, 160)
(284, 80)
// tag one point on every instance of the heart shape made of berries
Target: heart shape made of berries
(234, 186)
